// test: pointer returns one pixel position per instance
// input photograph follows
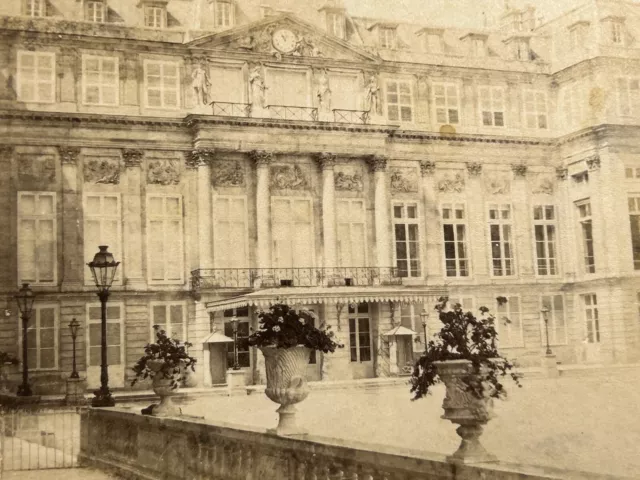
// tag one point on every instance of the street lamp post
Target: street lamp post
(234, 325)
(424, 317)
(25, 298)
(73, 326)
(545, 317)
(103, 268)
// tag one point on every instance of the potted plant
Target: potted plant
(463, 355)
(286, 338)
(165, 361)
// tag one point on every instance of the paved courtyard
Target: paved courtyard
(590, 424)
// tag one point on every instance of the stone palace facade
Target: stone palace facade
(233, 154)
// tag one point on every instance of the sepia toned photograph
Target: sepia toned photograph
(320, 239)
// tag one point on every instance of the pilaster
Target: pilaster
(433, 234)
(378, 165)
(132, 208)
(327, 161)
(262, 161)
(477, 223)
(202, 159)
(521, 223)
(8, 274)
(72, 248)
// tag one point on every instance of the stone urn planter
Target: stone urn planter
(286, 384)
(466, 409)
(165, 388)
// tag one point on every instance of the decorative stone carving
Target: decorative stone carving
(519, 170)
(36, 168)
(562, 173)
(427, 167)
(102, 170)
(543, 185)
(323, 94)
(451, 183)
(403, 180)
(349, 179)
(326, 160)
(372, 95)
(163, 172)
(593, 162)
(201, 84)
(261, 158)
(474, 169)
(6, 151)
(69, 155)
(497, 184)
(199, 157)
(228, 174)
(257, 88)
(132, 157)
(377, 163)
(261, 42)
(288, 177)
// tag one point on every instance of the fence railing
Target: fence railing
(39, 439)
(350, 116)
(137, 446)
(229, 109)
(208, 278)
(288, 112)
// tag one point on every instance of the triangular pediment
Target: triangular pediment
(297, 38)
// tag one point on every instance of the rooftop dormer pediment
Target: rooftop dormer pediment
(283, 36)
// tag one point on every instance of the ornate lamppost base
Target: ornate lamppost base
(24, 391)
(102, 398)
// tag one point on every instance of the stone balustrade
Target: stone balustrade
(142, 447)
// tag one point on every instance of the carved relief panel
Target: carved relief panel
(496, 183)
(290, 177)
(36, 169)
(403, 180)
(163, 171)
(348, 178)
(104, 170)
(543, 185)
(228, 174)
(451, 182)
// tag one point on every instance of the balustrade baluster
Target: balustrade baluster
(300, 469)
(248, 465)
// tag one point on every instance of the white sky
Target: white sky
(454, 13)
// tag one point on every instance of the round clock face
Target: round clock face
(284, 40)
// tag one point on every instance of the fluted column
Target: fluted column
(202, 158)
(327, 161)
(433, 264)
(132, 208)
(263, 207)
(71, 243)
(378, 166)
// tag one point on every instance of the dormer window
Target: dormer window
(519, 46)
(35, 8)
(387, 37)
(578, 34)
(336, 24)
(477, 44)
(223, 13)
(155, 16)
(432, 39)
(614, 30)
(95, 12)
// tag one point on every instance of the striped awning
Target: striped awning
(329, 295)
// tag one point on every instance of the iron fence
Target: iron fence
(211, 278)
(228, 109)
(351, 116)
(39, 439)
(287, 112)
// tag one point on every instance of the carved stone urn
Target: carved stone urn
(286, 384)
(465, 408)
(163, 387)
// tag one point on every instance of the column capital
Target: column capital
(69, 155)
(427, 167)
(519, 169)
(593, 162)
(377, 163)
(6, 150)
(261, 158)
(325, 160)
(132, 157)
(562, 173)
(199, 157)
(474, 169)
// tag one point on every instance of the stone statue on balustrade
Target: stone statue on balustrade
(257, 92)
(372, 99)
(201, 84)
(324, 97)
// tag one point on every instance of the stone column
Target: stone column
(263, 207)
(477, 234)
(201, 159)
(327, 161)
(132, 208)
(433, 225)
(73, 266)
(566, 238)
(521, 222)
(378, 166)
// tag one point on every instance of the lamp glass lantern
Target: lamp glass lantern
(424, 318)
(25, 299)
(103, 268)
(545, 317)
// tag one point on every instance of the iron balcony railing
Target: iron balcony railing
(288, 112)
(350, 116)
(214, 278)
(228, 109)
